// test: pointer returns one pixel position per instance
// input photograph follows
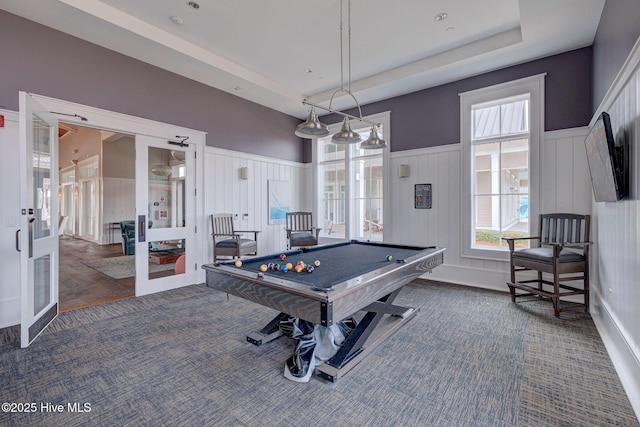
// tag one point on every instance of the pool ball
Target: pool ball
(298, 268)
(284, 269)
(316, 263)
(283, 257)
(276, 267)
(310, 268)
(263, 267)
(289, 266)
(270, 266)
(389, 257)
(238, 263)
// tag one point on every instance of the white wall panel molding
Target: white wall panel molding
(619, 345)
(425, 151)
(248, 199)
(615, 261)
(10, 309)
(254, 157)
(470, 276)
(580, 132)
(564, 158)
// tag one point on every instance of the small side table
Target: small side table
(111, 227)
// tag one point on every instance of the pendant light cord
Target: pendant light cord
(349, 40)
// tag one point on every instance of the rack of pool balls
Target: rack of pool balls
(300, 267)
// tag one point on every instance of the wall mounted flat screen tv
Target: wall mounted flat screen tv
(605, 162)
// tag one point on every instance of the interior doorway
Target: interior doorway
(96, 194)
(155, 194)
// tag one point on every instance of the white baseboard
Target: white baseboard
(9, 312)
(468, 276)
(625, 360)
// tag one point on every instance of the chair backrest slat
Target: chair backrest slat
(298, 221)
(222, 224)
(563, 228)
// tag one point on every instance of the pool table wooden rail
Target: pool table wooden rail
(321, 306)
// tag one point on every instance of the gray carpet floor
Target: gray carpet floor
(469, 358)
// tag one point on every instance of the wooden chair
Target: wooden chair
(300, 229)
(562, 251)
(228, 242)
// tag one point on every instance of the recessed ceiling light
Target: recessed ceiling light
(176, 20)
(440, 17)
(237, 88)
(193, 5)
(308, 70)
(450, 29)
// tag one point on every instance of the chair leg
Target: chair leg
(586, 289)
(539, 280)
(512, 290)
(556, 292)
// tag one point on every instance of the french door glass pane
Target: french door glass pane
(167, 202)
(42, 283)
(164, 258)
(41, 178)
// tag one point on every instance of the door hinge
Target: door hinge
(196, 267)
(195, 229)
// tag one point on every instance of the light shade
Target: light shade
(161, 170)
(346, 135)
(312, 127)
(373, 141)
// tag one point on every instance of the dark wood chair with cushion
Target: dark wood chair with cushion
(228, 242)
(300, 229)
(562, 253)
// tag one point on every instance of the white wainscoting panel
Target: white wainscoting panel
(565, 186)
(118, 204)
(226, 192)
(615, 269)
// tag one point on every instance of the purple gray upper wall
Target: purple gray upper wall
(88, 74)
(617, 33)
(431, 117)
(47, 62)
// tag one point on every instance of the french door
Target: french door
(165, 214)
(37, 238)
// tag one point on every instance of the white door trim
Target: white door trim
(118, 122)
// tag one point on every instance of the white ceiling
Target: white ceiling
(259, 50)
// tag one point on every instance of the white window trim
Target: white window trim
(533, 85)
(384, 118)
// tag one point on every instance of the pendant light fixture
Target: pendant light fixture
(313, 128)
(373, 141)
(161, 169)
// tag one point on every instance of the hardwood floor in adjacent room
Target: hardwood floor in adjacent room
(82, 286)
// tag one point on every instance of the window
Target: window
(501, 128)
(351, 185)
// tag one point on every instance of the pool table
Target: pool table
(353, 277)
